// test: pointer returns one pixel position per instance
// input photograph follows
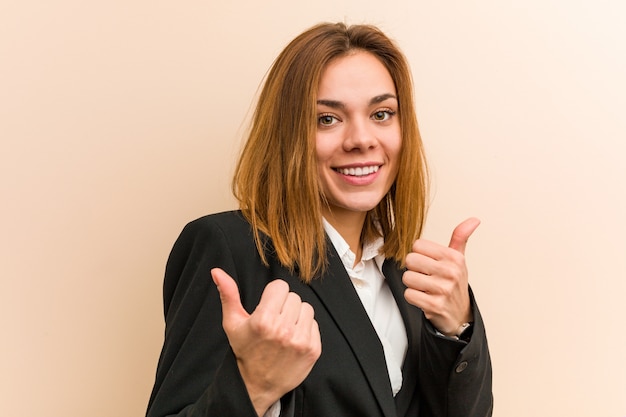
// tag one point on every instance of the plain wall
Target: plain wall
(120, 121)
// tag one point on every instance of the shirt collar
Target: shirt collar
(371, 250)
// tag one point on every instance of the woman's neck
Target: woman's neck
(349, 224)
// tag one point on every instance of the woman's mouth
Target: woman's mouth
(358, 171)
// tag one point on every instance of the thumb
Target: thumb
(232, 310)
(462, 233)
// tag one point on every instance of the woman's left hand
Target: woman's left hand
(437, 280)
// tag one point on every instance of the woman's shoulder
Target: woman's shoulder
(228, 221)
(230, 228)
(224, 217)
(215, 236)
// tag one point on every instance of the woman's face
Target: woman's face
(358, 137)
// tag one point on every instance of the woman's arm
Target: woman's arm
(262, 355)
(197, 374)
(455, 376)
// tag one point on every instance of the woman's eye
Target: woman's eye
(327, 120)
(382, 115)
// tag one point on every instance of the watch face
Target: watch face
(466, 332)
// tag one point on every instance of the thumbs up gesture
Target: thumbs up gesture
(437, 280)
(276, 346)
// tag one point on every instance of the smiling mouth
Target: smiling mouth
(358, 171)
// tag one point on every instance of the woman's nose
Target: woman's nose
(359, 135)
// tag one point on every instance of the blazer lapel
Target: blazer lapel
(412, 322)
(336, 292)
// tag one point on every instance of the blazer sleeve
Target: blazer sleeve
(458, 374)
(197, 374)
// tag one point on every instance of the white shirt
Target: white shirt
(377, 299)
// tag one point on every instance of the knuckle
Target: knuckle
(450, 271)
(307, 309)
(262, 324)
(294, 297)
(457, 257)
(284, 337)
(315, 353)
(277, 285)
(445, 269)
(446, 291)
(314, 350)
(439, 305)
(301, 347)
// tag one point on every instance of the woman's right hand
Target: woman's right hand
(276, 346)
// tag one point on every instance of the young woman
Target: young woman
(317, 298)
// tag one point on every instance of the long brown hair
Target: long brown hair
(276, 179)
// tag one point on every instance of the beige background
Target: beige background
(120, 121)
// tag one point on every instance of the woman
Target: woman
(318, 298)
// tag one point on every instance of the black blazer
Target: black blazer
(197, 373)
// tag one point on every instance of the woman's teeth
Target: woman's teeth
(358, 171)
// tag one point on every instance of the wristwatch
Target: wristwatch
(464, 332)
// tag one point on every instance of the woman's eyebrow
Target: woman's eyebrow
(335, 104)
(383, 97)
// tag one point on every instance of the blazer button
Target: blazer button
(461, 367)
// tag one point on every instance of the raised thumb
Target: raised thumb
(232, 310)
(462, 233)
